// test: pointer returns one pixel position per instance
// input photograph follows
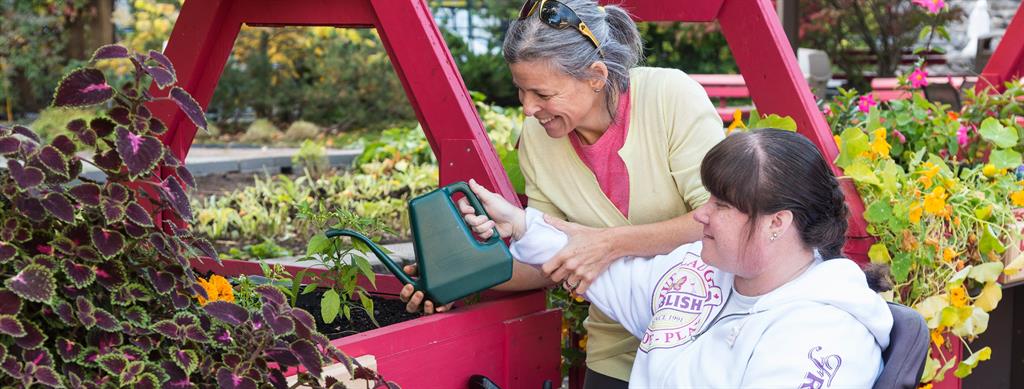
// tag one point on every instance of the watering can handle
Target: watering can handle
(462, 187)
(384, 258)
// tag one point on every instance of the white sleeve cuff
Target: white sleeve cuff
(540, 242)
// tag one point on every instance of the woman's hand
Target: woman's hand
(587, 255)
(415, 300)
(509, 219)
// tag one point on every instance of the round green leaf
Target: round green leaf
(994, 131)
(1005, 158)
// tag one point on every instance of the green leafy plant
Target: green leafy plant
(313, 158)
(941, 188)
(98, 290)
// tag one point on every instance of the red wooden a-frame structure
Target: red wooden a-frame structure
(206, 30)
(1007, 62)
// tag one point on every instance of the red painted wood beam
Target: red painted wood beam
(1007, 62)
(671, 11)
(764, 56)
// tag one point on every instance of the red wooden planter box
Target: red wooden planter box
(511, 338)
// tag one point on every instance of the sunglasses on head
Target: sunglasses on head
(558, 16)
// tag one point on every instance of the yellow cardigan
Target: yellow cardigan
(672, 124)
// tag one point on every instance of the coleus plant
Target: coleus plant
(97, 288)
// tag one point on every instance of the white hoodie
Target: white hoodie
(824, 329)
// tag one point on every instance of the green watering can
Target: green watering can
(452, 262)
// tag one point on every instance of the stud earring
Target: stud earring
(775, 235)
(597, 90)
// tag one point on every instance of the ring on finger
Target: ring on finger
(570, 286)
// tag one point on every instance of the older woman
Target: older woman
(609, 146)
(764, 300)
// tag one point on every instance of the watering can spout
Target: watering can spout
(384, 258)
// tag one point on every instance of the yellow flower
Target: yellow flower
(737, 121)
(579, 299)
(948, 254)
(839, 141)
(217, 289)
(929, 171)
(1017, 198)
(958, 296)
(925, 386)
(878, 145)
(937, 337)
(915, 213)
(583, 343)
(935, 202)
(989, 170)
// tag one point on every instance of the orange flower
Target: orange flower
(583, 343)
(937, 337)
(1017, 198)
(915, 213)
(948, 254)
(929, 170)
(958, 296)
(935, 202)
(217, 289)
(879, 145)
(952, 115)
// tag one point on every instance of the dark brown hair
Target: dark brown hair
(769, 170)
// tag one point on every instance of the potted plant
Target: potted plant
(99, 292)
(941, 188)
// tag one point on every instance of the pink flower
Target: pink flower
(899, 135)
(934, 6)
(866, 102)
(918, 78)
(961, 136)
(827, 110)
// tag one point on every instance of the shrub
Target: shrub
(261, 131)
(301, 130)
(53, 121)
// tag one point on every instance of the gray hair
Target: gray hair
(572, 53)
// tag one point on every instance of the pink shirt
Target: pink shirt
(603, 158)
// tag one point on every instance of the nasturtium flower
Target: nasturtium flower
(737, 122)
(989, 170)
(948, 254)
(879, 145)
(839, 141)
(958, 296)
(927, 174)
(952, 115)
(918, 78)
(935, 202)
(1017, 198)
(961, 136)
(217, 288)
(937, 338)
(915, 213)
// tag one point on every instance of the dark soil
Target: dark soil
(224, 183)
(387, 311)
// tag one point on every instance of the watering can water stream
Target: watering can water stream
(452, 262)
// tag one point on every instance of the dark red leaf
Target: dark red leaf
(12, 367)
(283, 356)
(64, 144)
(134, 230)
(146, 381)
(33, 283)
(189, 106)
(161, 76)
(204, 246)
(109, 161)
(271, 295)
(10, 304)
(162, 281)
(168, 329)
(143, 112)
(9, 145)
(26, 177)
(195, 334)
(177, 379)
(113, 212)
(102, 126)
(139, 153)
(110, 275)
(86, 253)
(31, 208)
(113, 363)
(107, 242)
(87, 194)
(26, 132)
(180, 300)
(228, 380)
(67, 349)
(138, 215)
(227, 312)
(65, 312)
(281, 325)
(172, 193)
(54, 160)
(117, 192)
(7, 252)
(157, 126)
(141, 125)
(105, 321)
(10, 325)
(308, 355)
(303, 320)
(82, 87)
(80, 275)
(121, 115)
(110, 52)
(47, 376)
(32, 339)
(186, 177)
(59, 206)
(162, 60)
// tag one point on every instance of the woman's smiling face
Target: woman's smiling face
(557, 100)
